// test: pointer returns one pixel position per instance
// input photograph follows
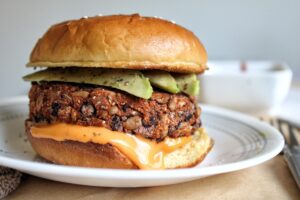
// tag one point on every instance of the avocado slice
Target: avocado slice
(162, 80)
(131, 81)
(188, 83)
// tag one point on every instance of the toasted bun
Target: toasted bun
(107, 156)
(120, 41)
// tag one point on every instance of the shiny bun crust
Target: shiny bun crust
(120, 41)
(107, 156)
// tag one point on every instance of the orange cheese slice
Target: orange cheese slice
(145, 153)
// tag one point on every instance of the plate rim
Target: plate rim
(54, 169)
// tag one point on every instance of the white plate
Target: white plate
(240, 142)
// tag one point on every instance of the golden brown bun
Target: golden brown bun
(120, 41)
(80, 154)
(106, 156)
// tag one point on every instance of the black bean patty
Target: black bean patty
(162, 115)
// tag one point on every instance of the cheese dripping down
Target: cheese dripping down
(144, 153)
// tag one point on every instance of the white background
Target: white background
(232, 29)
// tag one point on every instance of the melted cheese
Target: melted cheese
(145, 153)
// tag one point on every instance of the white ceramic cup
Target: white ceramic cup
(256, 87)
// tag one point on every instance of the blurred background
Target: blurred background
(232, 29)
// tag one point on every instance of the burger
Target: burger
(117, 92)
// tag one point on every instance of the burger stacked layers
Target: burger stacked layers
(118, 92)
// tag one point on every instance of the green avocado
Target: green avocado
(188, 83)
(130, 81)
(162, 80)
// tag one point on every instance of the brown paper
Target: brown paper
(271, 180)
